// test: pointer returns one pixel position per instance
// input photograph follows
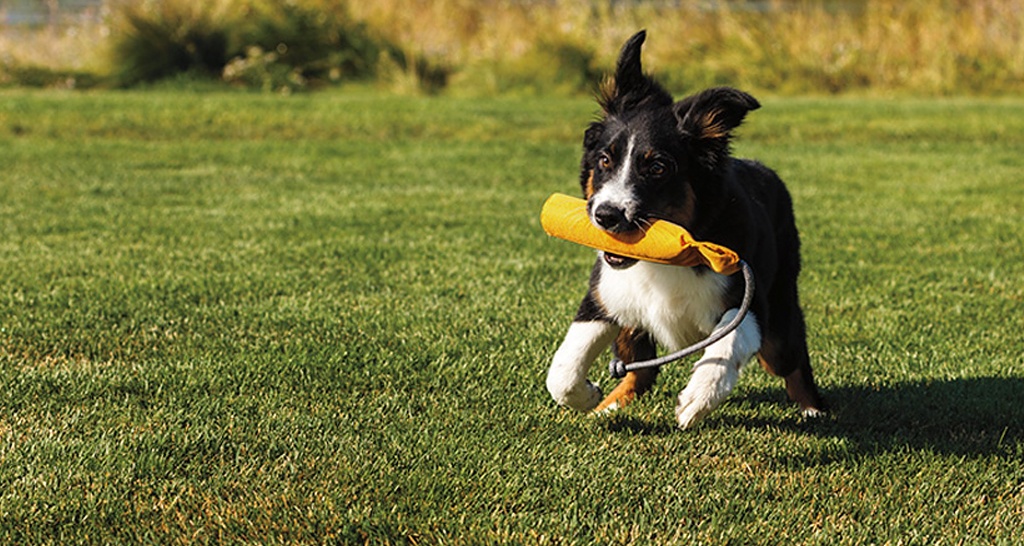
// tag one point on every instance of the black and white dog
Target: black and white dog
(653, 158)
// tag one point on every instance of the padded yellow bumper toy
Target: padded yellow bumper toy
(662, 242)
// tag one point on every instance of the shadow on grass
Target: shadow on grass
(978, 416)
(968, 417)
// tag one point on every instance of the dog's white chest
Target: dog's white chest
(677, 305)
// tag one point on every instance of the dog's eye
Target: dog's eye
(657, 168)
(604, 161)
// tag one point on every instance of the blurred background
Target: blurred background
(485, 47)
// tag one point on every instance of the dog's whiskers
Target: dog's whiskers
(644, 224)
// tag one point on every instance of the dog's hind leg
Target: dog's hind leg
(631, 345)
(802, 390)
(792, 363)
(784, 354)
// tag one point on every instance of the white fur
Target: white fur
(618, 192)
(567, 377)
(677, 305)
(716, 373)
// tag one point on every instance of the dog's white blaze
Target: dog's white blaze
(718, 370)
(677, 305)
(616, 192)
(567, 376)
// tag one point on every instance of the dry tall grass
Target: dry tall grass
(913, 46)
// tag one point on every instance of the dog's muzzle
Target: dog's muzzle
(614, 220)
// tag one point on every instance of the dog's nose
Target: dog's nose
(610, 218)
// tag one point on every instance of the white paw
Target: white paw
(581, 397)
(692, 408)
(812, 413)
(710, 384)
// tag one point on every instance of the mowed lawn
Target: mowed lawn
(230, 317)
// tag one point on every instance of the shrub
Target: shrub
(783, 46)
(263, 70)
(318, 39)
(58, 54)
(157, 39)
(258, 43)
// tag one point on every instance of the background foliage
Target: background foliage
(504, 46)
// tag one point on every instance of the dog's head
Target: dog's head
(650, 157)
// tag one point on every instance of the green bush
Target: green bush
(156, 40)
(259, 69)
(322, 42)
(265, 45)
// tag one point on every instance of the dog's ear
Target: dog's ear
(630, 88)
(708, 118)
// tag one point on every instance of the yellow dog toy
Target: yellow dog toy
(662, 242)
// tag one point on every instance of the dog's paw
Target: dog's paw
(605, 408)
(692, 408)
(813, 413)
(625, 392)
(710, 383)
(581, 397)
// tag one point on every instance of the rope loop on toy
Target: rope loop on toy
(618, 368)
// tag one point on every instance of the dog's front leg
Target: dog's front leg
(567, 377)
(716, 373)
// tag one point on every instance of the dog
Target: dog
(650, 157)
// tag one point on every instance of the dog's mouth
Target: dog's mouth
(616, 261)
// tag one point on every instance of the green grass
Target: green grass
(228, 317)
